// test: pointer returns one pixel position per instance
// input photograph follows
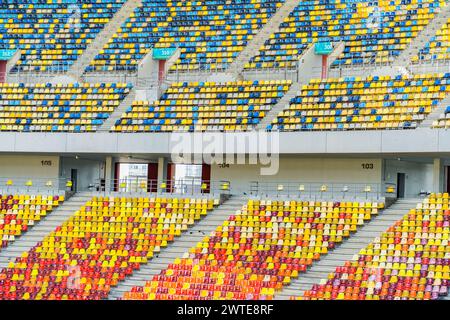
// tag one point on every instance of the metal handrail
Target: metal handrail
(317, 190)
(193, 186)
(184, 186)
(32, 184)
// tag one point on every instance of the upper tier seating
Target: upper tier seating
(52, 34)
(103, 242)
(438, 48)
(257, 250)
(373, 31)
(375, 102)
(210, 33)
(444, 120)
(58, 107)
(19, 212)
(201, 106)
(411, 260)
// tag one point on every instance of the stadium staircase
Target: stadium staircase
(77, 69)
(423, 37)
(117, 114)
(435, 114)
(180, 246)
(282, 103)
(42, 228)
(272, 26)
(350, 247)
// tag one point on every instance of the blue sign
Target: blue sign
(163, 53)
(323, 48)
(7, 54)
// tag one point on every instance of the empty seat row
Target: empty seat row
(19, 213)
(409, 261)
(373, 32)
(257, 250)
(103, 242)
(444, 119)
(51, 35)
(205, 106)
(79, 107)
(437, 48)
(210, 33)
(373, 102)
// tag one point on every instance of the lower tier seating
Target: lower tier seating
(411, 260)
(101, 244)
(19, 213)
(257, 250)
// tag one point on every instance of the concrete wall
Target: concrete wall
(418, 176)
(29, 166)
(303, 170)
(361, 143)
(294, 169)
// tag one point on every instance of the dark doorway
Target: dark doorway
(206, 177)
(152, 177)
(447, 174)
(74, 179)
(400, 185)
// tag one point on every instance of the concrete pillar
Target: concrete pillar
(438, 175)
(108, 173)
(162, 169)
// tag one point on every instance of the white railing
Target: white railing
(430, 66)
(110, 77)
(318, 191)
(27, 77)
(57, 67)
(139, 185)
(357, 127)
(286, 73)
(33, 185)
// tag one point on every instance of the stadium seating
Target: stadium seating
(408, 261)
(103, 242)
(438, 48)
(58, 107)
(257, 250)
(375, 102)
(19, 212)
(444, 120)
(210, 33)
(51, 35)
(373, 32)
(201, 106)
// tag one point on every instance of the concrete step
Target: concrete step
(423, 36)
(102, 38)
(293, 91)
(433, 117)
(253, 46)
(118, 112)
